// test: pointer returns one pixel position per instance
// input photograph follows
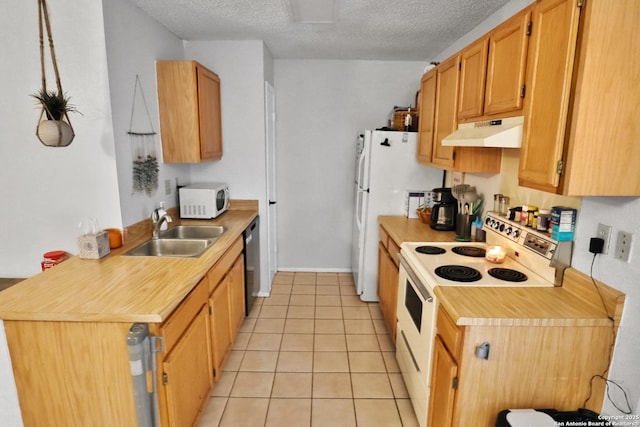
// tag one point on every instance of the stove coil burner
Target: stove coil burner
(430, 250)
(508, 274)
(458, 273)
(472, 251)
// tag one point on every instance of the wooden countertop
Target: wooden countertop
(576, 303)
(402, 229)
(119, 288)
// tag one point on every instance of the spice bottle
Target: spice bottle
(544, 216)
(531, 213)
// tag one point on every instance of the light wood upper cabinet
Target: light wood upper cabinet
(506, 65)
(446, 108)
(581, 112)
(190, 119)
(473, 75)
(492, 70)
(438, 118)
(427, 113)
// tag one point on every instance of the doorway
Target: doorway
(270, 131)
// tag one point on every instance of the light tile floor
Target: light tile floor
(312, 354)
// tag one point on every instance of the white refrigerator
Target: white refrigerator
(386, 169)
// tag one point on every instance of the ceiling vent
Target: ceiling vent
(314, 11)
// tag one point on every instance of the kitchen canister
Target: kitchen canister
(52, 258)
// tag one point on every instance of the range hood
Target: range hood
(505, 133)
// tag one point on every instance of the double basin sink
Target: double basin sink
(187, 241)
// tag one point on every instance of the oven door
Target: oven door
(416, 312)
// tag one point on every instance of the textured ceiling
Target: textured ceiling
(365, 29)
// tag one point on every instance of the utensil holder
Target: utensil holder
(463, 227)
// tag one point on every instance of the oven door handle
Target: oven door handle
(426, 296)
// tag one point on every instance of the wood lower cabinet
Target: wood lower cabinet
(220, 326)
(186, 376)
(190, 116)
(580, 130)
(388, 272)
(438, 118)
(187, 373)
(387, 288)
(226, 301)
(443, 386)
(236, 295)
(527, 367)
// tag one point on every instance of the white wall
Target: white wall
(47, 191)
(321, 107)
(242, 67)
(134, 42)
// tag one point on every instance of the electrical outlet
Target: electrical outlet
(623, 246)
(167, 186)
(604, 232)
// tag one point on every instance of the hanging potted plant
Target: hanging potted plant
(54, 128)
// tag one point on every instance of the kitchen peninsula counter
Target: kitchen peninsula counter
(119, 288)
(576, 303)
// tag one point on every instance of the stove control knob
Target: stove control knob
(488, 221)
(516, 233)
(508, 231)
(501, 228)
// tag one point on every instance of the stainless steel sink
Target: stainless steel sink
(193, 232)
(187, 248)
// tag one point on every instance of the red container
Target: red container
(53, 258)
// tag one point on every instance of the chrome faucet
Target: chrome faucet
(158, 217)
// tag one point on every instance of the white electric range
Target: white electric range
(426, 265)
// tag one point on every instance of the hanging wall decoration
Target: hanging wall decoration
(54, 128)
(143, 151)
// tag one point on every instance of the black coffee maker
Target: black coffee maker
(445, 210)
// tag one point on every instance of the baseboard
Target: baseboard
(314, 270)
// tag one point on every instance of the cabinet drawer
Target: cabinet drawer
(218, 271)
(450, 333)
(180, 319)
(384, 237)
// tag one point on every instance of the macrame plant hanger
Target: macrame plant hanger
(51, 131)
(143, 151)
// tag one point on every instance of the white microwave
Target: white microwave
(203, 201)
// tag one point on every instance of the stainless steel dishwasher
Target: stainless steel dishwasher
(251, 253)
